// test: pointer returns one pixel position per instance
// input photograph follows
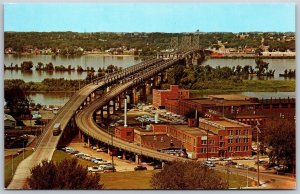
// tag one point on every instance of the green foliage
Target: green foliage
(70, 43)
(281, 136)
(67, 174)
(16, 98)
(188, 175)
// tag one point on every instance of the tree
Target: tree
(280, 136)
(67, 174)
(187, 175)
(26, 65)
(16, 99)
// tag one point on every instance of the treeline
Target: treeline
(205, 77)
(28, 65)
(70, 43)
(48, 84)
(288, 73)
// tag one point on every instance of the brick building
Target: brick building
(125, 133)
(233, 106)
(160, 96)
(214, 137)
(155, 137)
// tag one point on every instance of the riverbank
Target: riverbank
(205, 87)
(250, 57)
(223, 87)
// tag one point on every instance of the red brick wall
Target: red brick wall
(125, 133)
(160, 96)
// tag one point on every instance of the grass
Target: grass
(217, 87)
(128, 180)
(138, 179)
(8, 166)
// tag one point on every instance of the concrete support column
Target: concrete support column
(108, 112)
(101, 112)
(88, 141)
(120, 102)
(134, 95)
(137, 159)
(94, 116)
(148, 89)
(114, 105)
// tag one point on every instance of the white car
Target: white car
(227, 159)
(213, 159)
(95, 169)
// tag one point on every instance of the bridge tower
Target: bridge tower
(196, 42)
(186, 43)
(174, 43)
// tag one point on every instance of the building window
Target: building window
(246, 132)
(238, 148)
(238, 140)
(211, 142)
(230, 132)
(229, 140)
(203, 142)
(203, 150)
(246, 140)
(238, 132)
(229, 149)
(246, 148)
(221, 138)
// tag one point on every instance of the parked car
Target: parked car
(230, 163)
(209, 164)
(157, 166)
(213, 159)
(281, 169)
(94, 169)
(227, 159)
(139, 167)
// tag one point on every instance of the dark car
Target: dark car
(139, 167)
(157, 166)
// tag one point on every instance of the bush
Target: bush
(67, 174)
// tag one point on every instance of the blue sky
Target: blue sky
(151, 17)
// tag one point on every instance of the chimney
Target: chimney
(125, 112)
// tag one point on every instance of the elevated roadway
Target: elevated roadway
(47, 143)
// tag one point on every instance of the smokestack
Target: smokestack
(156, 118)
(125, 112)
(196, 117)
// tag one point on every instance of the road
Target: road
(47, 144)
(268, 180)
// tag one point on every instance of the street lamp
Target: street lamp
(258, 150)
(206, 142)
(23, 149)
(12, 164)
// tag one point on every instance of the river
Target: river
(84, 61)
(97, 61)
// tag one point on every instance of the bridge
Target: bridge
(79, 111)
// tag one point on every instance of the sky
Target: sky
(150, 17)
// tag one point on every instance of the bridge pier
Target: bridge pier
(138, 159)
(101, 112)
(108, 111)
(114, 105)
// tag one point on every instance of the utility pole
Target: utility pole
(258, 150)
(12, 164)
(206, 142)
(23, 149)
